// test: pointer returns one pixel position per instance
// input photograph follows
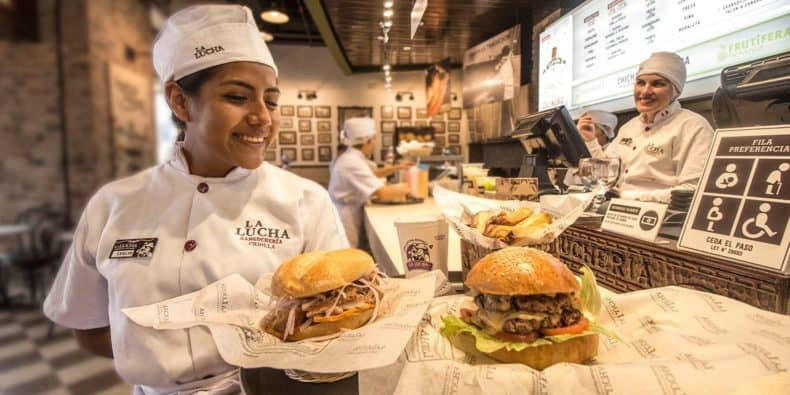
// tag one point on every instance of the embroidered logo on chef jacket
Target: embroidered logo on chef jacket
(257, 234)
(133, 248)
(655, 150)
(626, 141)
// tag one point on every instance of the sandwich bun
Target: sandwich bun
(521, 271)
(352, 320)
(576, 350)
(320, 271)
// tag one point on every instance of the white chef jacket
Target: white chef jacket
(247, 222)
(351, 184)
(661, 156)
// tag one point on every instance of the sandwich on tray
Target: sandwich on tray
(528, 308)
(322, 293)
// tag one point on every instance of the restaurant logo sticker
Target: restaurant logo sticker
(742, 210)
(418, 255)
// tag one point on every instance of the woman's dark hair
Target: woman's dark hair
(191, 84)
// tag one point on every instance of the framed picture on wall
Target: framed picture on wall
(270, 156)
(454, 138)
(454, 114)
(388, 126)
(286, 123)
(453, 127)
(404, 123)
(421, 114)
(439, 141)
(323, 126)
(324, 138)
(323, 112)
(286, 111)
(308, 154)
(307, 139)
(304, 111)
(455, 149)
(420, 123)
(289, 153)
(438, 126)
(386, 139)
(387, 112)
(305, 125)
(324, 153)
(288, 138)
(404, 112)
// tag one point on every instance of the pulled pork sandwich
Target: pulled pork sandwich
(527, 310)
(321, 293)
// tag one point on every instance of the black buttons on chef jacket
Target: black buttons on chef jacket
(202, 187)
(190, 245)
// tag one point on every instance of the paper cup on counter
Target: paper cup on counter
(423, 244)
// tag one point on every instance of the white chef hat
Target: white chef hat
(668, 65)
(204, 36)
(359, 130)
(605, 120)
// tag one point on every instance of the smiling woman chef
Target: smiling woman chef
(664, 148)
(215, 209)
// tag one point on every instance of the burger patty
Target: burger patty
(537, 311)
(519, 326)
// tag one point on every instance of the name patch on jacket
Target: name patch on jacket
(258, 234)
(134, 248)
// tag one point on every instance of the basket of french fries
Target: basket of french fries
(485, 225)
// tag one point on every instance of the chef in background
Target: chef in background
(352, 180)
(663, 148)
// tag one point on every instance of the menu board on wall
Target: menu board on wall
(741, 210)
(589, 56)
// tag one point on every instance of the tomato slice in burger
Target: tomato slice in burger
(578, 327)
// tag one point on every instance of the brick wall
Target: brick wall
(94, 33)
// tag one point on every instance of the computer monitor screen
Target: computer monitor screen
(553, 134)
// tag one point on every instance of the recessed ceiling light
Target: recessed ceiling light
(407, 48)
(266, 36)
(388, 78)
(385, 67)
(387, 13)
(388, 4)
(388, 23)
(274, 15)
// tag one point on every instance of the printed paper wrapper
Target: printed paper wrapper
(232, 308)
(675, 341)
(564, 210)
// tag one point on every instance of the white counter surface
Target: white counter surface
(383, 237)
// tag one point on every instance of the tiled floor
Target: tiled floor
(32, 363)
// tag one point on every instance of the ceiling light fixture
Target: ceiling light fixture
(388, 13)
(275, 15)
(266, 36)
(386, 67)
(388, 4)
(388, 78)
(407, 48)
(388, 23)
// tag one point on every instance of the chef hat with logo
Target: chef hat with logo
(604, 120)
(359, 130)
(204, 36)
(668, 65)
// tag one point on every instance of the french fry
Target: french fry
(481, 220)
(512, 218)
(500, 232)
(531, 229)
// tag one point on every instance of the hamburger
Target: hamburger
(322, 293)
(527, 309)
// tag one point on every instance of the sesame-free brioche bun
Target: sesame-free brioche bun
(320, 271)
(521, 271)
(351, 320)
(576, 350)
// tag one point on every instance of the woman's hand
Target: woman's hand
(586, 128)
